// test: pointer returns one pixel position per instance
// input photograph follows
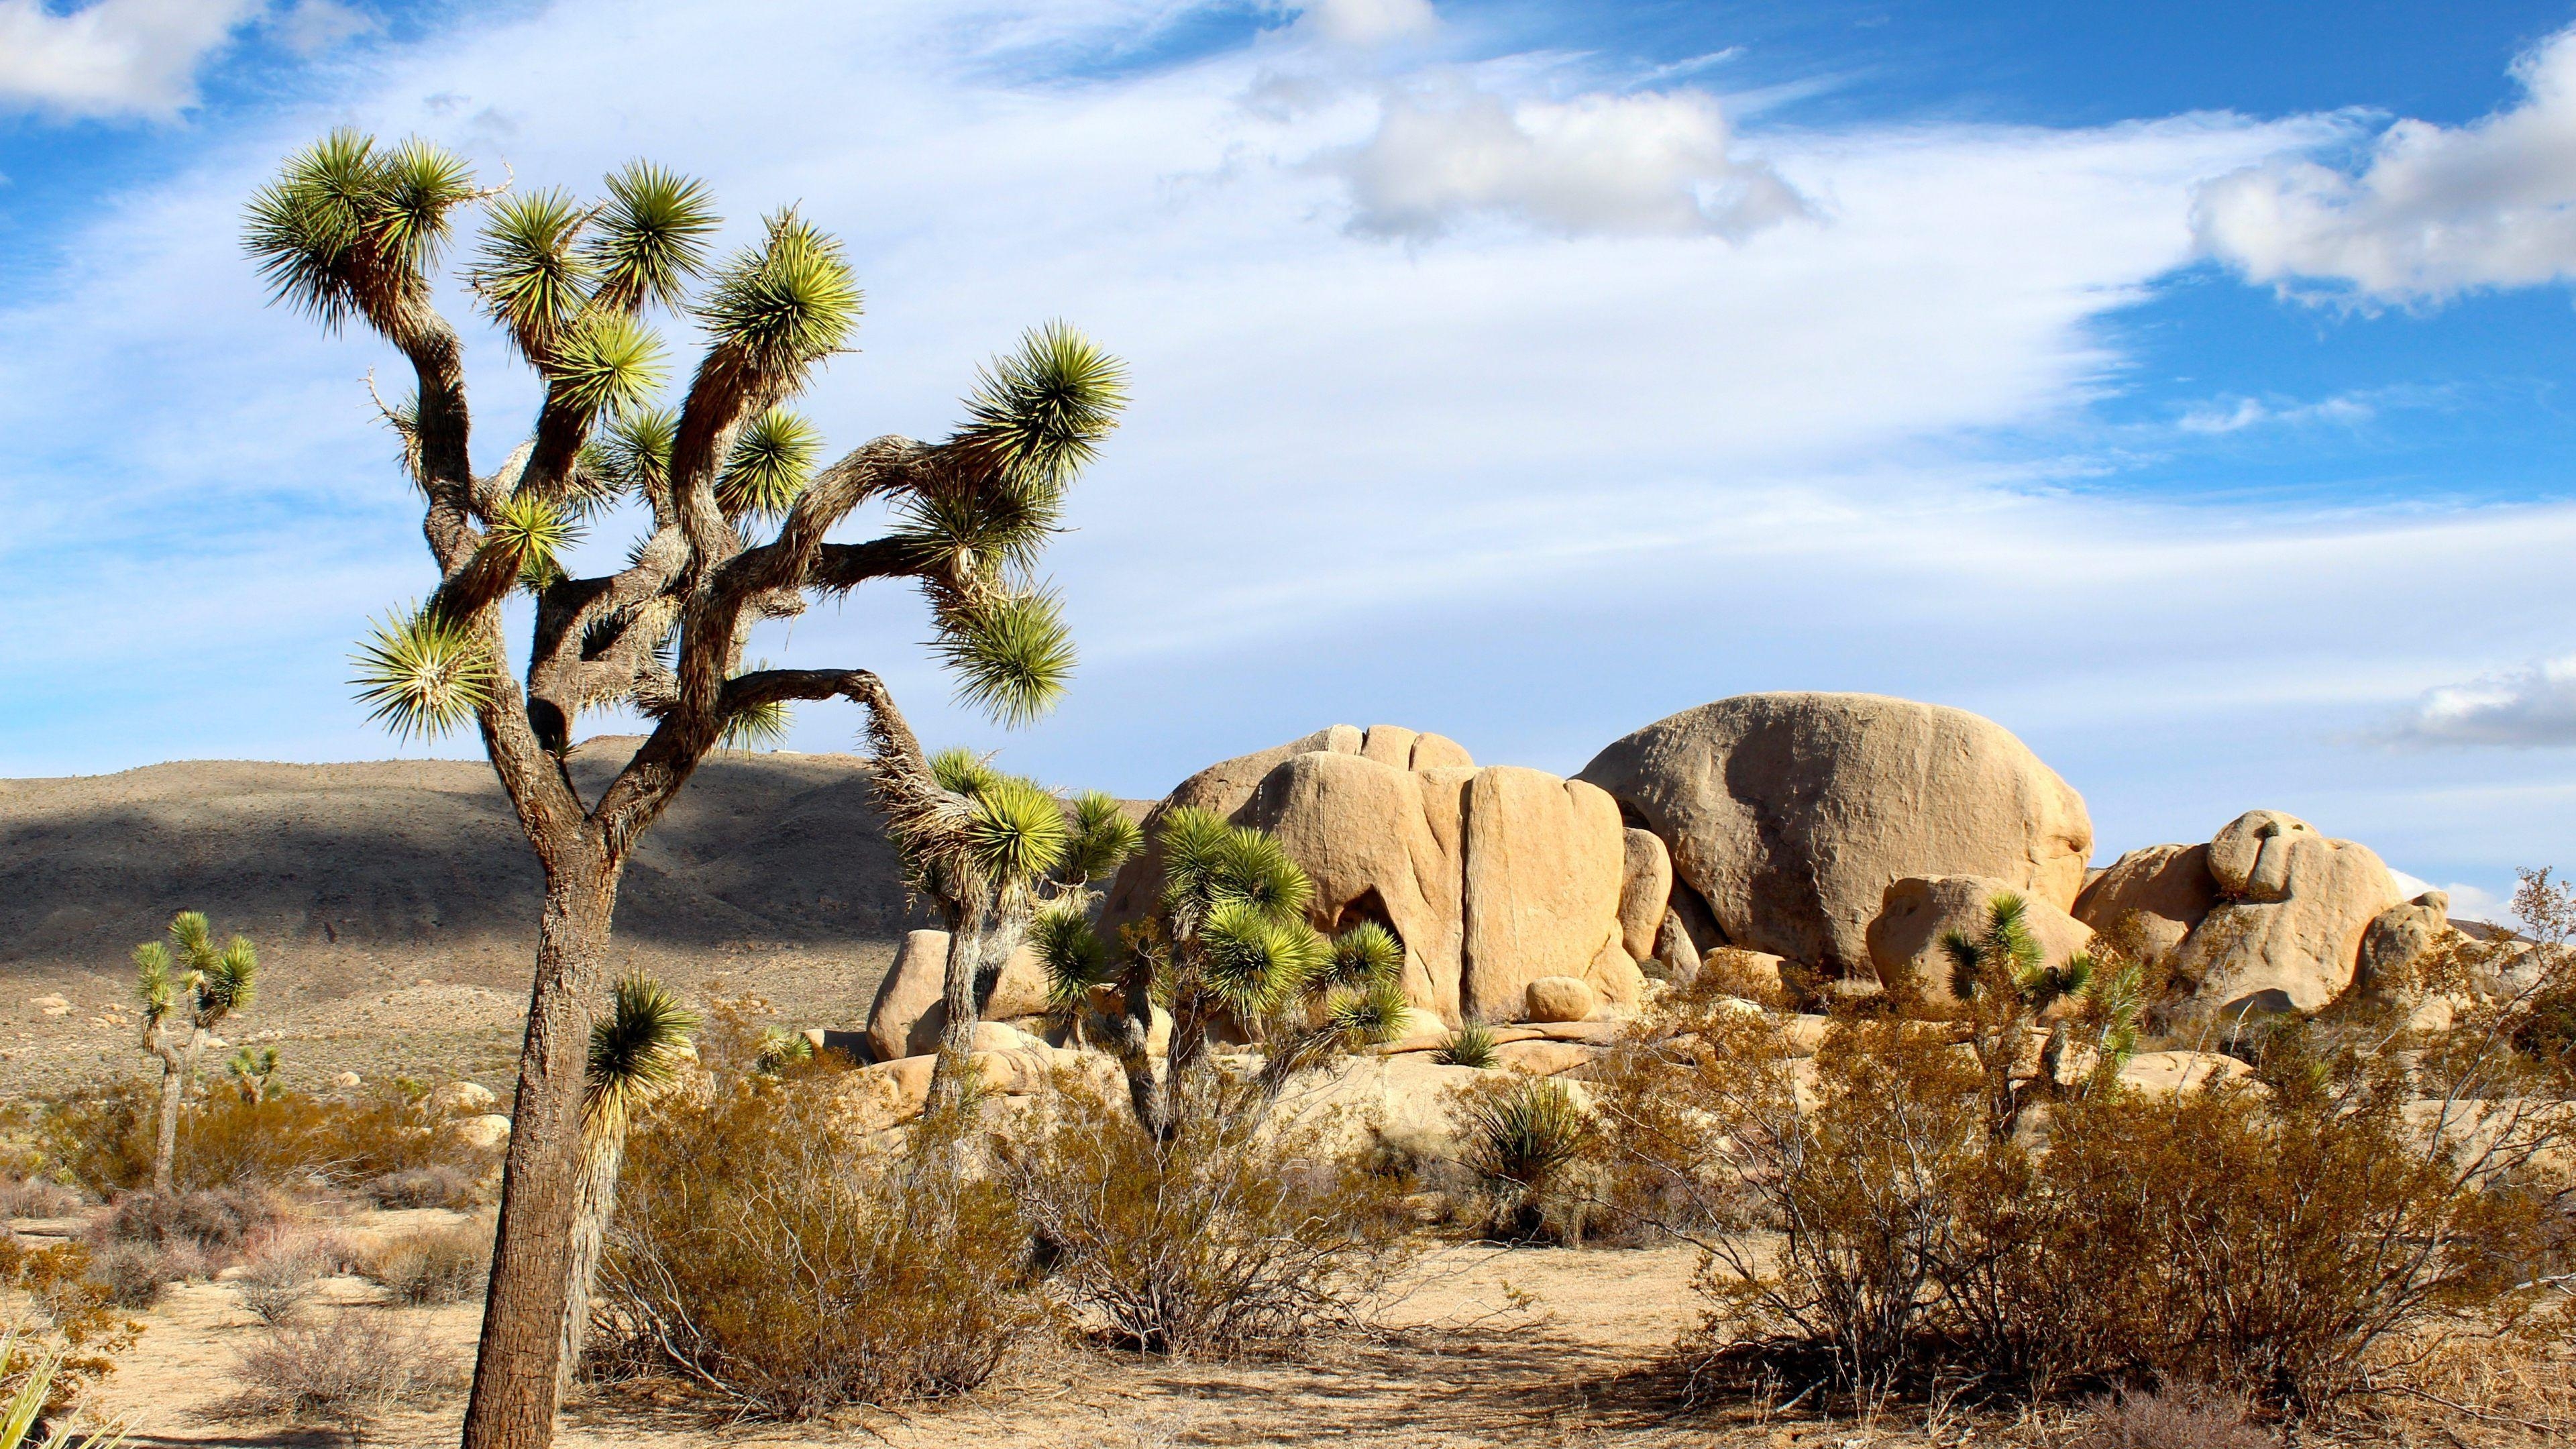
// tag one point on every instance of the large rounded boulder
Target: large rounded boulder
(1791, 814)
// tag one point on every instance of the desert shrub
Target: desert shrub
(215, 1222)
(2269, 1239)
(1235, 1231)
(1526, 1140)
(37, 1197)
(439, 1185)
(2182, 1416)
(101, 1138)
(58, 1314)
(434, 1265)
(133, 1275)
(1471, 1045)
(766, 1252)
(344, 1372)
(278, 1273)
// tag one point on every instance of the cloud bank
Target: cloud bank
(2525, 708)
(115, 59)
(2432, 211)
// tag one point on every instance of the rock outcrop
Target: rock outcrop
(1493, 877)
(2158, 894)
(1918, 911)
(911, 1007)
(2287, 932)
(1790, 814)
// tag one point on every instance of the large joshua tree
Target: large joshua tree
(186, 988)
(736, 526)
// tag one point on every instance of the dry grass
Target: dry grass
(345, 1371)
(434, 1265)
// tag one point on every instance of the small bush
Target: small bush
(1231, 1234)
(1524, 1144)
(278, 1275)
(766, 1252)
(101, 1138)
(344, 1372)
(36, 1197)
(2183, 1416)
(63, 1313)
(216, 1223)
(133, 1275)
(1471, 1045)
(435, 1265)
(440, 1185)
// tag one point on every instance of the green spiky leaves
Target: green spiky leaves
(530, 273)
(784, 305)
(763, 726)
(1103, 837)
(1040, 413)
(1252, 961)
(1015, 832)
(217, 980)
(608, 362)
(348, 229)
(534, 534)
(1368, 1015)
(772, 460)
(650, 237)
(423, 674)
(152, 980)
(1367, 955)
(637, 1049)
(1012, 656)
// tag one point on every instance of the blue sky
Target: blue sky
(2182, 385)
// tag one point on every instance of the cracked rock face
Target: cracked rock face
(1790, 814)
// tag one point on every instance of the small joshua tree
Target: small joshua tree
(1024, 856)
(186, 989)
(254, 1073)
(637, 1052)
(2002, 976)
(736, 519)
(1229, 940)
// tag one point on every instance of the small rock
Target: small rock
(487, 1131)
(348, 1081)
(1559, 998)
(463, 1099)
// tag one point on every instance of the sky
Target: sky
(2181, 385)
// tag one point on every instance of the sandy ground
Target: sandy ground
(1485, 1348)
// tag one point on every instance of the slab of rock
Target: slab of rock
(1545, 1058)
(2161, 892)
(463, 1099)
(1645, 893)
(2167, 1073)
(1918, 911)
(1544, 862)
(2287, 936)
(1790, 814)
(1558, 999)
(911, 1006)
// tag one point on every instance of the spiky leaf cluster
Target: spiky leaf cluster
(638, 1049)
(1011, 656)
(779, 307)
(2002, 948)
(1103, 837)
(1041, 413)
(773, 458)
(347, 229)
(424, 674)
(191, 971)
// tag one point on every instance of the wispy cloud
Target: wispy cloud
(2533, 707)
(2235, 415)
(140, 58)
(2433, 211)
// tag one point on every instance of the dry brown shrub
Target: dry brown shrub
(1236, 1232)
(434, 1265)
(2183, 1416)
(769, 1254)
(101, 1138)
(37, 1197)
(1529, 1153)
(345, 1371)
(55, 1304)
(1892, 1222)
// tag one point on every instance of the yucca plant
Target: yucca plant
(637, 1052)
(2001, 976)
(1229, 941)
(186, 989)
(1471, 1045)
(734, 516)
(24, 1405)
(1521, 1142)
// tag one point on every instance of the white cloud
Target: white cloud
(114, 57)
(2435, 210)
(1599, 165)
(2236, 415)
(140, 58)
(1363, 23)
(2533, 707)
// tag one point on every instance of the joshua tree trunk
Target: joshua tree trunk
(174, 1083)
(515, 1378)
(981, 939)
(595, 1203)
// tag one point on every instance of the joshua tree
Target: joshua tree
(735, 520)
(1229, 940)
(255, 1073)
(203, 986)
(1023, 853)
(637, 1052)
(2001, 975)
